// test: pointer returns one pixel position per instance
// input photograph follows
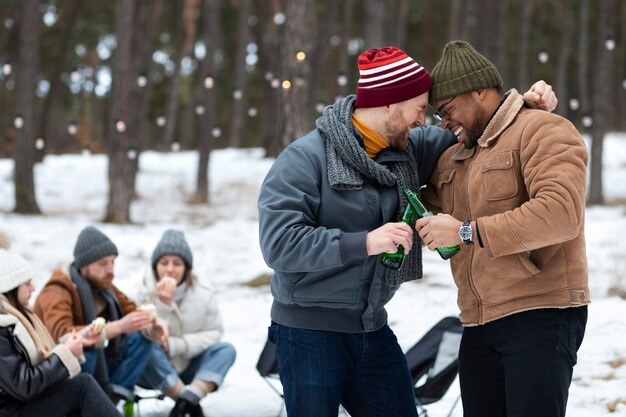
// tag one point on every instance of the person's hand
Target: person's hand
(165, 344)
(166, 289)
(89, 337)
(75, 344)
(438, 231)
(133, 322)
(541, 96)
(387, 238)
(158, 330)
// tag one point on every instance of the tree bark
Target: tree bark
(375, 24)
(457, 13)
(188, 29)
(241, 75)
(120, 167)
(298, 37)
(602, 97)
(206, 96)
(24, 146)
(50, 108)
(523, 42)
(268, 39)
(583, 58)
(563, 59)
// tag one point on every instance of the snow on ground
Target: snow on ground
(72, 192)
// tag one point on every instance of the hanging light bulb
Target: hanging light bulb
(216, 132)
(18, 122)
(6, 68)
(252, 111)
(72, 128)
(132, 153)
(142, 80)
(199, 109)
(279, 18)
(75, 75)
(587, 121)
(342, 79)
(209, 82)
(319, 107)
(237, 94)
(160, 120)
(175, 146)
(609, 43)
(286, 84)
(40, 144)
(574, 104)
(120, 126)
(275, 83)
(543, 56)
(300, 56)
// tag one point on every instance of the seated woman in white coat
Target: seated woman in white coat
(192, 362)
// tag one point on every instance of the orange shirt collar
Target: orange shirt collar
(373, 141)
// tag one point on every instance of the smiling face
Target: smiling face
(404, 116)
(465, 117)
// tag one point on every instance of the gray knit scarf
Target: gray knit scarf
(348, 163)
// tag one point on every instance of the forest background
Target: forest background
(125, 76)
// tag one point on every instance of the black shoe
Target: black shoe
(184, 408)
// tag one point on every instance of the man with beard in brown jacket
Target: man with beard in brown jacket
(75, 296)
(513, 190)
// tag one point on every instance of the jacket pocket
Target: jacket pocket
(500, 177)
(446, 185)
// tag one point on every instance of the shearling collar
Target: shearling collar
(502, 119)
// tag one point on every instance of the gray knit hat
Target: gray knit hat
(461, 70)
(92, 245)
(173, 243)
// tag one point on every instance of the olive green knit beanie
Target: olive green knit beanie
(462, 70)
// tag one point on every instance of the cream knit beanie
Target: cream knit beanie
(14, 271)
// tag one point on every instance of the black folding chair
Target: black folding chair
(267, 366)
(434, 363)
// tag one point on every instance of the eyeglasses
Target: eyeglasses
(442, 112)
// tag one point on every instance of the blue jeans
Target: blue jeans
(209, 366)
(135, 356)
(367, 373)
(521, 365)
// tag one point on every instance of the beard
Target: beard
(397, 131)
(476, 129)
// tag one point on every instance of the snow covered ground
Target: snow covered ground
(72, 192)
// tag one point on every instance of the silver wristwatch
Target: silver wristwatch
(465, 232)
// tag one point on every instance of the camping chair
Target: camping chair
(267, 366)
(434, 363)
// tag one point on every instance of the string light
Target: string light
(252, 111)
(40, 143)
(209, 82)
(142, 80)
(342, 79)
(237, 94)
(74, 76)
(301, 56)
(609, 44)
(175, 146)
(216, 132)
(120, 126)
(587, 121)
(286, 84)
(160, 121)
(18, 122)
(72, 128)
(543, 56)
(574, 104)
(279, 18)
(199, 109)
(275, 83)
(131, 153)
(624, 84)
(319, 107)
(6, 68)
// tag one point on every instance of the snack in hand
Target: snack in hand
(148, 308)
(98, 325)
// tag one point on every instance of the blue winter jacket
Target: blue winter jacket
(313, 236)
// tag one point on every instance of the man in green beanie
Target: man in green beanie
(513, 193)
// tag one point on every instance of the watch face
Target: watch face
(466, 233)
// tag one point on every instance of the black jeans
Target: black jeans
(521, 365)
(79, 396)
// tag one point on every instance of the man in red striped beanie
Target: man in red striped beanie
(329, 207)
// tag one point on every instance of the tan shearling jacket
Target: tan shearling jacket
(524, 184)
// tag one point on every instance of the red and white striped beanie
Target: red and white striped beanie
(387, 76)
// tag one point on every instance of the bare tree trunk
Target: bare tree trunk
(470, 19)
(500, 41)
(147, 17)
(343, 65)
(50, 109)
(563, 59)
(241, 75)
(189, 25)
(457, 13)
(523, 42)
(298, 37)
(375, 24)
(398, 23)
(206, 97)
(268, 38)
(602, 97)
(583, 58)
(24, 146)
(326, 27)
(120, 167)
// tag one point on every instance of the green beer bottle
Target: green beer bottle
(396, 260)
(414, 201)
(129, 407)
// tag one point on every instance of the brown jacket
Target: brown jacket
(524, 184)
(59, 307)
